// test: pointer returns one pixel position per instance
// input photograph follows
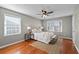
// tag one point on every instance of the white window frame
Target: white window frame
(5, 29)
(50, 23)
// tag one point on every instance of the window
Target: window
(54, 25)
(12, 25)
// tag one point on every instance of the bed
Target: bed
(45, 37)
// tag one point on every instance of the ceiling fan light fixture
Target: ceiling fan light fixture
(44, 16)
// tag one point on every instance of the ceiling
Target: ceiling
(34, 9)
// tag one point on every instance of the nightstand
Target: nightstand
(28, 36)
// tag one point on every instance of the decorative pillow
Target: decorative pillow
(36, 30)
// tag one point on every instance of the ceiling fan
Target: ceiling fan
(45, 13)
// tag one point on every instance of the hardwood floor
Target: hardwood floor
(22, 48)
(25, 48)
(68, 47)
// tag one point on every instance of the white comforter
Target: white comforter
(45, 37)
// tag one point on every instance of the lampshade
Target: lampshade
(28, 27)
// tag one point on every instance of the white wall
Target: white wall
(25, 20)
(66, 26)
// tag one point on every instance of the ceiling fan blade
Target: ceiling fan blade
(50, 12)
(42, 10)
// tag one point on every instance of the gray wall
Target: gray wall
(25, 21)
(75, 27)
(66, 26)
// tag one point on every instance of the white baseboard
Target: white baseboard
(10, 44)
(76, 46)
(77, 49)
(65, 37)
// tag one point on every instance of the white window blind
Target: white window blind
(12, 25)
(54, 25)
